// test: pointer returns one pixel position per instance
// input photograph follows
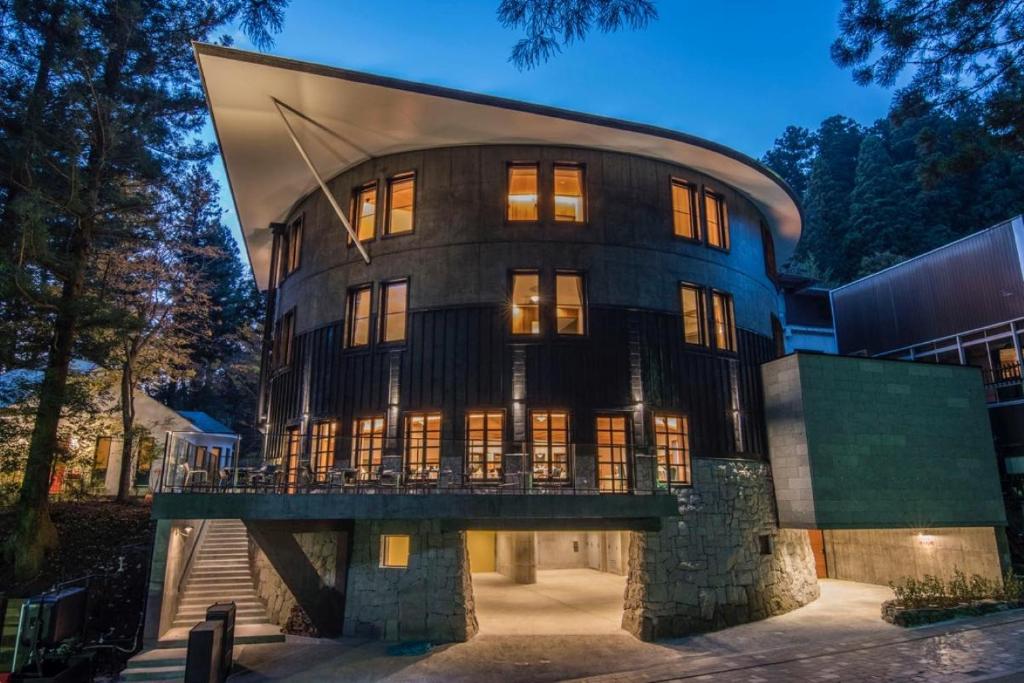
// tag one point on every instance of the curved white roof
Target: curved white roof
(344, 117)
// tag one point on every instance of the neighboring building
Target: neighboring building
(960, 304)
(806, 315)
(504, 337)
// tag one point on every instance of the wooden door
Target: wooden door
(817, 537)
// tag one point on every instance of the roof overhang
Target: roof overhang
(344, 117)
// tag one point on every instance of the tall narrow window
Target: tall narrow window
(101, 460)
(322, 446)
(284, 340)
(549, 447)
(358, 324)
(522, 192)
(717, 218)
(367, 446)
(484, 433)
(725, 322)
(401, 197)
(684, 219)
(672, 449)
(423, 445)
(569, 308)
(294, 245)
(569, 193)
(768, 244)
(526, 303)
(612, 454)
(293, 448)
(147, 447)
(694, 322)
(395, 305)
(365, 212)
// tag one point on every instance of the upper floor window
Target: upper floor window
(526, 303)
(725, 321)
(522, 192)
(684, 218)
(283, 339)
(768, 244)
(321, 447)
(368, 446)
(484, 436)
(395, 306)
(549, 447)
(717, 218)
(101, 458)
(358, 316)
(290, 249)
(569, 309)
(672, 449)
(401, 198)
(694, 321)
(423, 445)
(365, 212)
(569, 193)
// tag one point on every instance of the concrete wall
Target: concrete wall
(173, 543)
(321, 548)
(482, 550)
(516, 556)
(432, 598)
(867, 444)
(884, 555)
(706, 568)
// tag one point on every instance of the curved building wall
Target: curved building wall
(459, 355)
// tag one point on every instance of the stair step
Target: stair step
(157, 673)
(220, 574)
(242, 589)
(200, 612)
(189, 623)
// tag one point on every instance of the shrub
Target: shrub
(932, 591)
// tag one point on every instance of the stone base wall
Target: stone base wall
(431, 599)
(322, 550)
(723, 561)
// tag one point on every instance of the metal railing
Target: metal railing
(1004, 373)
(425, 467)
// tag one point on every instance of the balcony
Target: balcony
(1003, 382)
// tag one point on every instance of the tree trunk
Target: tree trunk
(124, 482)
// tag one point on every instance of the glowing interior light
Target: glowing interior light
(534, 298)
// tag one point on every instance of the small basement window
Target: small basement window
(394, 551)
(765, 544)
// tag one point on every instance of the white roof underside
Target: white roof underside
(345, 117)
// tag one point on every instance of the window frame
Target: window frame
(550, 445)
(582, 168)
(695, 224)
(512, 274)
(687, 458)
(385, 285)
(426, 439)
(487, 443)
(702, 314)
(771, 266)
(384, 546)
(357, 193)
(350, 307)
(626, 484)
(109, 441)
(722, 216)
(732, 340)
(284, 340)
(509, 166)
(373, 468)
(317, 452)
(295, 237)
(386, 232)
(584, 304)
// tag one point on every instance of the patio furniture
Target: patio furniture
(194, 478)
(263, 477)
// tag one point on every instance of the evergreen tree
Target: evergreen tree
(791, 157)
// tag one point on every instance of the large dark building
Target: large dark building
(503, 340)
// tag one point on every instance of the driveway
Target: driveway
(838, 637)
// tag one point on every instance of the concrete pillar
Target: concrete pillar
(517, 556)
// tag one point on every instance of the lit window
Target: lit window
(692, 300)
(394, 551)
(283, 340)
(359, 316)
(683, 223)
(396, 296)
(423, 445)
(401, 195)
(365, 212)
(322, 446)
(717, 219)
(147, 447)
(612, 454)
(672, 449)
(550, 445)
(525, 303)
(522, 192)
(484, 432)
(725, 323)
(569, 303)
(102, 457)
(568, 193)
(293, 448)
(367, 446)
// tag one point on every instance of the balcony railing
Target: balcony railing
(1002, 374)
(442, 467)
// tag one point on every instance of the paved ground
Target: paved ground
(838, 638)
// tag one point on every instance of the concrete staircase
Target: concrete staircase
(220, 573)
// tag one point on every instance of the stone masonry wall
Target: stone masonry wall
(711, 566)
(430, 599)
(320, 547)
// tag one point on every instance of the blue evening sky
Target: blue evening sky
(733, 71)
